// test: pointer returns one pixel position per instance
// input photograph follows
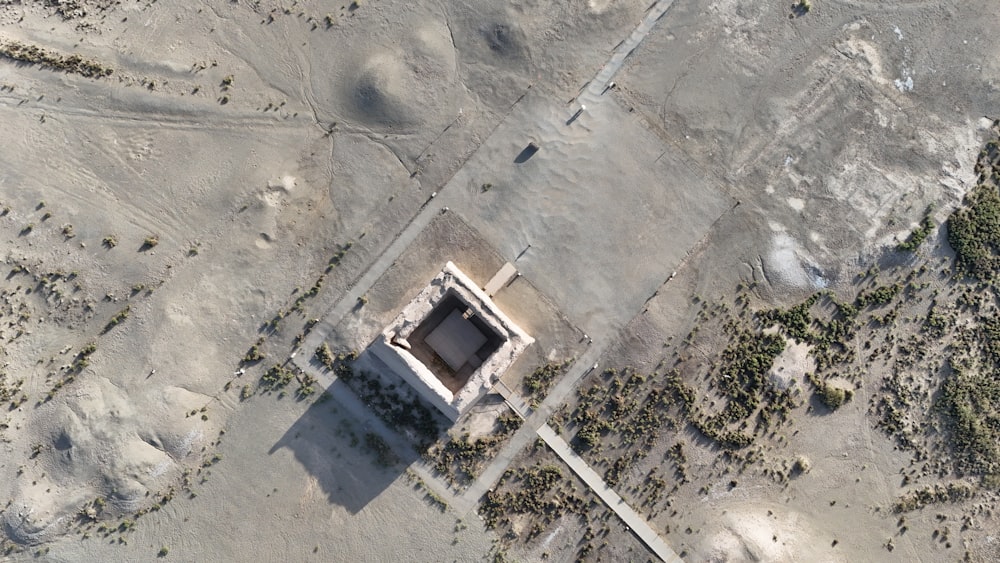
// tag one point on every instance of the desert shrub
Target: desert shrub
(970, 405)
(877, 297)
(538, 383)
(801, 465)
(254, 354)
(917, 236)
(325, 356)
(831, 396)
(932, 494)
(974, 228)
(118, 319)
(383, 453)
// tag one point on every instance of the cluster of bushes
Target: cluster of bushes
(31, 54)
(933, 494)
(743, 374)
(650, 418)
(255, 353)
(410, 416)
(338, 257)
(828, 334)
(276, 378)
(970, 401)
(620, 406)
(9, 391)
(460, 458)
(879, 296)
(723, 437)
(82, 358)
(794, 321)
(383, 453)
(538, 382)
(118, 319)
(536, 491)
(300, 301)
(602, 407)
(831, 396)
(974, 229)
(988, 338)
(742, 379)
(326, 357)
(936, 324)
(918, 235)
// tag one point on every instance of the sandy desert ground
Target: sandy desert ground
(192, 193)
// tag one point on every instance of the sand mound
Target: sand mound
(787, 266)
(752, 536)
(396, 88)
(101, 443)
(505, 40)
(283, 184)
(22, 524)
(379, 95)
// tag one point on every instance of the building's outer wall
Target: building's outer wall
(419, 376)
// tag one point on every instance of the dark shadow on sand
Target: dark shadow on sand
(344, 451)
(528, 152)
(353, 454)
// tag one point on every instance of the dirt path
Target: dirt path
(600, 83)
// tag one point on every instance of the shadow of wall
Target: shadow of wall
(352, 455)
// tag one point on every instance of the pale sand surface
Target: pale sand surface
(253, 139)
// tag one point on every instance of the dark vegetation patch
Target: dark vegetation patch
(383, 453)
(918, 235)
(538, 383)
(534, 490)
(31, 54)
(974, 229)
(970, 403)
(460, 458)
(922, 340)
(933, 494)
(538, 495)
(392, 401)
(531, 496)
(503, 39)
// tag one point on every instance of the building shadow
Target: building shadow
(352, 454)
(528, 152)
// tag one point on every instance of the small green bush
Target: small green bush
(833, 397)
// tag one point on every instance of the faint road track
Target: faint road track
(535, 425)
(599, 84)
